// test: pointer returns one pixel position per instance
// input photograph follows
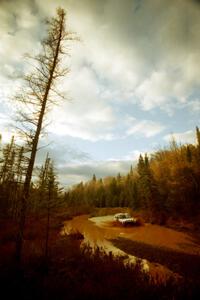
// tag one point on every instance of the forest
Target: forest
(164, 184)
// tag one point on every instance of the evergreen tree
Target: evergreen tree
(188, 154)
(198, 143)
(147, 185)
(94, 178)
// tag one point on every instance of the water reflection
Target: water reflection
(97, 233)
(94, 235)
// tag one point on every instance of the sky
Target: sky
(134, 80)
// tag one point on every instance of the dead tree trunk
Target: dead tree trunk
(41, 84)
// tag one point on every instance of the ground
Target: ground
(72, 270)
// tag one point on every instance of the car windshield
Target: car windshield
(124, 216)
(128, 216)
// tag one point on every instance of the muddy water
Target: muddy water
(97, 232)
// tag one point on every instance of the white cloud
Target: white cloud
(165, 90)
(7, 130)
(182, 137)
(153, 61)
(145, 128)
(134, 155)
(155, 91)
(122, 51)
(87, 116)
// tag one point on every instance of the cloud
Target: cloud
(20, 31)
(151, 62)
(164, 91)
(60, 150)
(135, 57)
(87, 116)
(193, 106)
(133, 155)
(145, 128)
(157, 91)
(73, 173)
(182, 137)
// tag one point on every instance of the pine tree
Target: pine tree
(198, 142)
(52, 189)
(131, 170)
(94, 178)
(198, 136)
(188, 154)
(7, 176)
(147, 186)
(37, 99)
(8, 153)
(48, 194)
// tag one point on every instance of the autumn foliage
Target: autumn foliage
(164, 184)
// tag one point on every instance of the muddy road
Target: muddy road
(176, 250)
(99, 230)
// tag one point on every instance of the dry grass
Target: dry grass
(75, 235)
(187, 265)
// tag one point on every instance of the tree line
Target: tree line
(45, 193)
(164, 183)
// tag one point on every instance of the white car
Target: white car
(124, 218)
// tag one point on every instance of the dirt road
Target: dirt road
(98, 230)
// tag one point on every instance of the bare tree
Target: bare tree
(36, 100)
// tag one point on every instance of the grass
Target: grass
(187, 265)
(72, 273)
(75, 235)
